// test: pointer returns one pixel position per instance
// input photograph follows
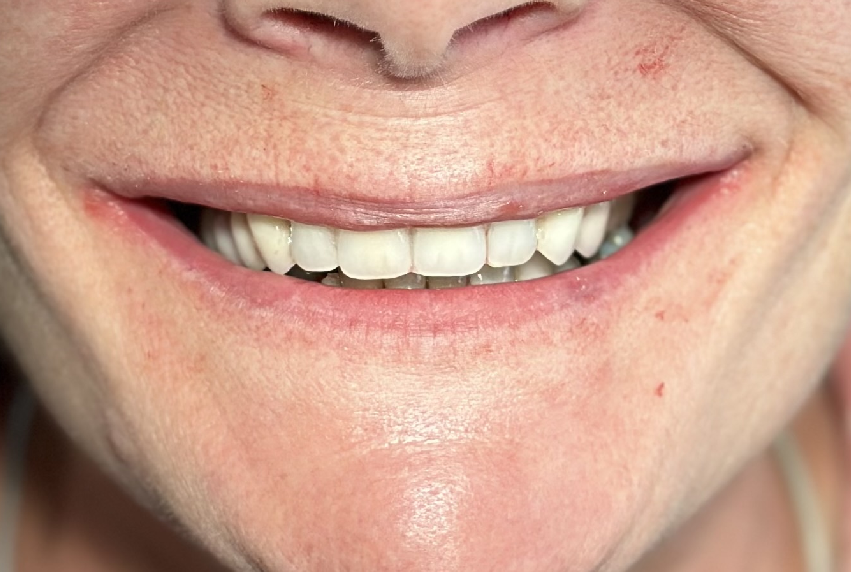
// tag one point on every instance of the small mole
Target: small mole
(660, 390)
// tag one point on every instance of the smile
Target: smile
(418, 258)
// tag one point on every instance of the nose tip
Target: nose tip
(413, 36)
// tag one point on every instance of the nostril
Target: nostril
(287, 29)
(540, 11)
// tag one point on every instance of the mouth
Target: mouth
(426, 257)
(370, 252)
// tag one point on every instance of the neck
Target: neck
(751, 525)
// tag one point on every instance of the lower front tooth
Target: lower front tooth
(537, 267)
(406, 282)
(572, 264)
(332, 279)
(245, 244)
(444, 282)
(347, 282)
(593, 229)
(491, 275)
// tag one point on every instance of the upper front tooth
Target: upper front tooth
(449, 251)
(245, 244)
(593, 229)
(374, 255)
(272, 236)
(314, 247)
(557, 233)
(406, 282)
(511, 243)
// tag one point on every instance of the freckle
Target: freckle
(660, 390)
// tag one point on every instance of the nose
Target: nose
(413, 36)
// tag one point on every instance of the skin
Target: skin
(278, 444)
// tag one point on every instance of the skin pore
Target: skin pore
(615, 421)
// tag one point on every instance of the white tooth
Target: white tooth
(205, 228)
(572, 264)
(373, 255)
(537, 267)
(272, 236)
(244, 241)
(444, 282)
(557, 233)
(593, 229)
(348, 282)
(511, 242)
(491, 275)
(407, 282)
(314, 247)
(449, 251)
(622, 209)
(615, 241)
(224, 238)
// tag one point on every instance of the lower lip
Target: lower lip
(573, 295)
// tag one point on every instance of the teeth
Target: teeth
(374, 255)
(445, 282)
(244, 240)
(511, 243)
(615, 241)
(205, 228)
(225, 244)
(272, 236)
(332, 279)
(593, 229)
(491, 275)
(537, 267)
(557, 234)
(356, 284)
(406, 282)
(572, 264)
(314, 248)
(412, 259)
(449, 251)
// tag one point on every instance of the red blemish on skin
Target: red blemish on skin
(654, 58)
(660, 315)
(267, 92)
(660, 390)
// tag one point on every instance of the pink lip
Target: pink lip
(576, 294)
(505, 202)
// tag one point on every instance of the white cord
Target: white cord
(812, 523)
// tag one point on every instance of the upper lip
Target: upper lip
(329, 207)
